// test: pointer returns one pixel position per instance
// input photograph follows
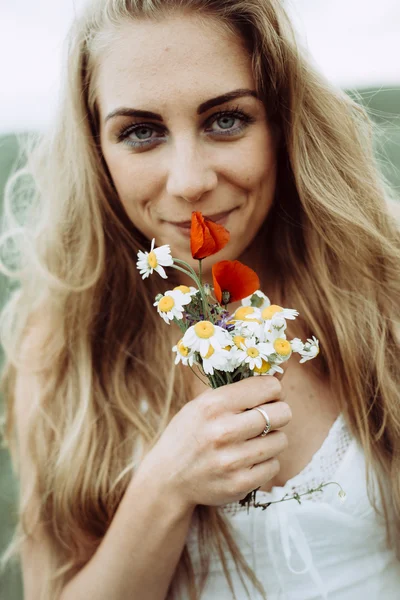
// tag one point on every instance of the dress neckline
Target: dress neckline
(299, 478)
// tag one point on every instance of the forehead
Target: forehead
(183, 59)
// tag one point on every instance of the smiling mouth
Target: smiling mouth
(215, 218)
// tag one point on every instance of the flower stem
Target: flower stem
(198, 377)
(184, 271)
(192, 273)
(252, 496)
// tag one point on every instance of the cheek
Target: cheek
(135, 180)
(254, 166)
(255, 174)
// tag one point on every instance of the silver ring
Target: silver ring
(267, 427)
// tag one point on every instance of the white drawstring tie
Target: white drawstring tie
(280, 518)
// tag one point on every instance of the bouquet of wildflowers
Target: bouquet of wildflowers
(221, 346)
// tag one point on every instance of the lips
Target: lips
(215, 218)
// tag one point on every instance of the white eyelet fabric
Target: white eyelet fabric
(322, 468)
(322, 548)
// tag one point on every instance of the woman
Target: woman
(131, 471)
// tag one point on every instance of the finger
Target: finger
(260, 473)
(248, 393)
(258, 450)
(251, 423)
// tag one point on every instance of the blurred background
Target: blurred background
(355, 43)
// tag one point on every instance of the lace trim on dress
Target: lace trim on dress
(321, 468)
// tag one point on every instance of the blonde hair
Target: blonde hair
(332, 241)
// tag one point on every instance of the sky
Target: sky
(355, 43)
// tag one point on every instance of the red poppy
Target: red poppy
(233, 281)
(206, 237)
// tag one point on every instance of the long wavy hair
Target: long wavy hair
(329, 235)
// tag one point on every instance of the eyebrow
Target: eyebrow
(204, 107)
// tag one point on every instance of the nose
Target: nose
(190, 174)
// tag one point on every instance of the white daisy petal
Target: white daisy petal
(171, 305)
(202, 335)
(183, 354)
(161, 272)
(154, 260)
(297, 345)
(204, 347)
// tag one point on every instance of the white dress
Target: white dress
(322, 548)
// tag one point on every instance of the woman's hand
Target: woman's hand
(211, 452)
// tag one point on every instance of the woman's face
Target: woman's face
(175, 142)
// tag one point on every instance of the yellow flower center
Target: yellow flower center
(252, 352)
(265, 367)
(238, 340)
(182, 349)
(243, 312)
(270, 311)
(152, 260)
(166, 304)
(182, 288)
(210, 352)
(204, 329)
(282, 347)
(227, 348)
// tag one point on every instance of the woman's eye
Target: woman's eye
(143, 133)
(138, 136)
(229, 123)
(226, 122)
(223, 124)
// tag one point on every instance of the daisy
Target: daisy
(233, 349)
(191, 291)
(310, 350)
(202, 335)
(250, 328)
(233, 360)
(278, 322)
(282, 348)
(273, 328)
(247, 313)
(238, 339)
(267, 369)
(253, 353)
(286, 313)
(216, 360)
(247, 319)
(258, 300)
(154, 260)
(170, 306)
(277, 346)
(183, 354)
(297, 345)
